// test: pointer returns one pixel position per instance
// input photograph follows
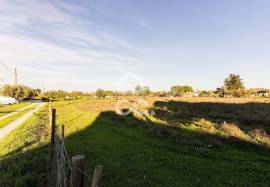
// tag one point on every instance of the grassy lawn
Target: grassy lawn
(6, 109)
(24, 153)
(185, 142)
(173, 147)
(13, 117)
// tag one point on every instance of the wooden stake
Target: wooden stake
(77, 169)
(63, 132)
(53, 124)
(96, 182)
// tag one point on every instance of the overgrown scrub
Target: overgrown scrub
(24, 153)
(230, 118)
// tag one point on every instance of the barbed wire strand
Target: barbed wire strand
(69, 161)
(62, 148)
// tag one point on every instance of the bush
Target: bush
(180, 90)
(103, 93)
(142, 90)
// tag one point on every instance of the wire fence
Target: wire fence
(62, 171)
(63, 165)
(63, 162)
(66, 169)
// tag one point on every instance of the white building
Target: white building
(7, 100)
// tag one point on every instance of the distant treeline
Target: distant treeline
(61, 94)
(19, 91)
(233, 86)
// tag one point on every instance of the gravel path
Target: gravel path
(8, 128)
(20, 109)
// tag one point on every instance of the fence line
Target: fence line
(61, 169)
(68, 172)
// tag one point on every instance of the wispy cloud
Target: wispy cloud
(47, 36)
(145, 25)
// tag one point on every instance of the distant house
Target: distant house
(263, 93)
(259, 92)
(7, 100)
(196, 93)
(171, 96)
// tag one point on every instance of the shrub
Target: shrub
(180, 90)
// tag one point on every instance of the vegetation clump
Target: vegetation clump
(233, 87)
(19, 91)
(180, 90)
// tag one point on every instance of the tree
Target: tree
(7, 90)
(180, 90)
(19, 91)
(204, 94)
(76, 94)
(233, 82)
(221, 92)
(234, 85)
(142, 90)
(100, 93)
(55, 94)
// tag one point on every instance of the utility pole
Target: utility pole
(11, 70)
(15, 76)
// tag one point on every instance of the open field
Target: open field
(134, 93)
(184, 142)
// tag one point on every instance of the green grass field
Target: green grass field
(171, 147)
(185, 142)
(24, 153)
(6, 109)
(15, 116)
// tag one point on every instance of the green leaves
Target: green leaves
(19, 91)
(233, 83)
(180, 90)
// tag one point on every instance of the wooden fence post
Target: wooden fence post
(96, 181)
(63, 132)
(77, 169)
(53, 124)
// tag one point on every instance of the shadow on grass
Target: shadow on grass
(139, 153)
(135, 152)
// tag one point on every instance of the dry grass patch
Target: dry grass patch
(233, 130)
(260, 136)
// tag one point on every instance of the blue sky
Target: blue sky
(85, 45)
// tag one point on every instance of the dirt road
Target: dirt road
(8, 128)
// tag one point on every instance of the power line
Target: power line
(11, 70)
(6, 66)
